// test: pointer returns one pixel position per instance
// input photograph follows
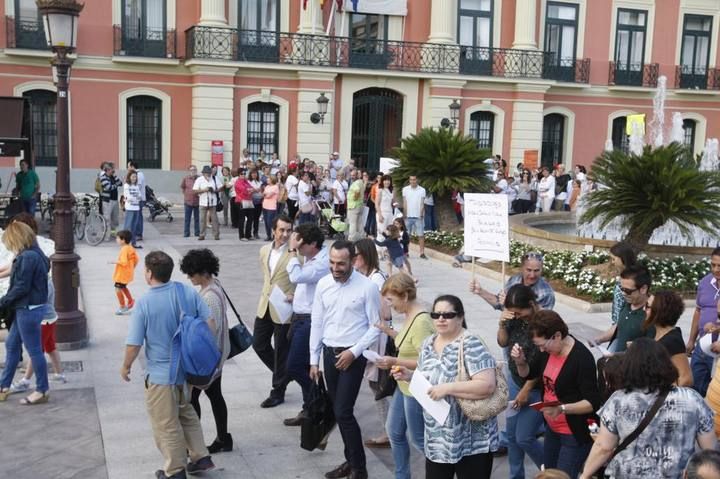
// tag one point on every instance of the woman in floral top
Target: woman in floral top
(460, 447)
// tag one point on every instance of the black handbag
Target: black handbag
(386, 382)
(320, 418)
(240, 338)
(218, 205)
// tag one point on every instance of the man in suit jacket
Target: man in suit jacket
(273, 262)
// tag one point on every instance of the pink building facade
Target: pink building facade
(159, 80)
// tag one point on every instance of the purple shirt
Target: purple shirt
(707, 300)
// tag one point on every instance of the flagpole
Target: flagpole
(331, 18)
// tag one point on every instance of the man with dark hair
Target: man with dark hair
(635, 283)
(270, 335)
(703, 464)
(345, 308)
(28, 185)
(176, 426)
(109, 195)
(306, 241)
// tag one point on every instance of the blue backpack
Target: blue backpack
(193, 346)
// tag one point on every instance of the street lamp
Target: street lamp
(322, 102)
(454, 115)
(60, 18)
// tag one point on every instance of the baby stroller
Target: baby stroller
(156, 206)
(329, 223)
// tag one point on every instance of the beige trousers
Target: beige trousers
(176, 427)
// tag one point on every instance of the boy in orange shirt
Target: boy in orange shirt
(124, 270)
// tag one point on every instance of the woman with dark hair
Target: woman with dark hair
(246, 210)
(569, 378)
(257, 201)
(523, 423)
(622, 256)
(202, 267)
(664, 308)
(384, 204)
(663, 448)
(459, 447)
(371, 187)
(523, 203)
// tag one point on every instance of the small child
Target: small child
(394, 247)
(405, 240)
(124, 271)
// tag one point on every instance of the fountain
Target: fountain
(677, 134)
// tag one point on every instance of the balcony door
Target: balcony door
(561, 25)
(143, 28)
(368, 41)
(630, 40)
(29, 30)
(475, 36)
(259, 25)
(695, 52)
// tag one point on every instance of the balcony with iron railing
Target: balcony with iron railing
(25, 33)
(146, 42)
(229, 44)
(689, 77)
(633, 74)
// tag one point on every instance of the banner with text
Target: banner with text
(487, 232)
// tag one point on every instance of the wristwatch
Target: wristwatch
(562, 408)
(292, 250)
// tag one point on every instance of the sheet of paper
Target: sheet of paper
(419, 387)
(602, 349)
(281, 305)
(371, 355)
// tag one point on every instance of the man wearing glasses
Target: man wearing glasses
(531, 276)
(635, 284)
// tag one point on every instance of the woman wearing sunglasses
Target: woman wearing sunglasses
(460, 447)
(569, 377)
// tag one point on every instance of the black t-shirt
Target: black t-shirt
(673, 342)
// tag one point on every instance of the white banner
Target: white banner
(381, 7)
(487, 232)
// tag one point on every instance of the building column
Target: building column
(212, 13)
(212, 112)
(443, 15)
(314, 140)
(311, 19)
(527, 121)
(525, 18)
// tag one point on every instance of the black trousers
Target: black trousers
(257, 213)
(245, 223)
(343, 388)
(275, 358)
(217, 402)
(234, 213)
(292, 208)
(477, 466)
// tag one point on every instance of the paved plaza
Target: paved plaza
(95, 426)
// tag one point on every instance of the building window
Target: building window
(368, 37)
(29, 30)
(475, 35)
(620, 138)
(144, 131)
(482, 125)
(695, 51)
(561, 26)
(689, 127)
(44, 129)
(630, 46)
(262, 128)
(143, 28)
(552, 140)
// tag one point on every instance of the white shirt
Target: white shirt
(343, 315)
(415, 198)
(429, 200)
(132, 197)
(546, 187)
(291, 186)
(209, 198)
(275, 166)
(340, 188)
(335, 166)
(141, 184)
(274, 257)
(302, 191)
(306, 277)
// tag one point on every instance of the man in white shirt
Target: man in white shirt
(414, 208)
(345, 308)
(339, 189)
(206, 188)
(306, 241)
(133, 166)
(335, 165)
(291, 186)
(305, 199)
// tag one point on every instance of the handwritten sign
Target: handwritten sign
(486, 226)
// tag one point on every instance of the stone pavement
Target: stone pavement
(96, 426)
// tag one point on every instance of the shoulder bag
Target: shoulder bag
(482, 409)
(386, 381)
(240, 338)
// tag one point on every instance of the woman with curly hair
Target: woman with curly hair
(202, 267)
(664, 308)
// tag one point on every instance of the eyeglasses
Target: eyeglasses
(545, 345)
(444, 315)
(628, 291)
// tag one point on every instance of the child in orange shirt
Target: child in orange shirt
(124, 270)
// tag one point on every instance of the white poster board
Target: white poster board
(487, 232)
(388, 164)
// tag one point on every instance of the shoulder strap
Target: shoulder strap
(407, 331)
(646, 420)
(237, 315)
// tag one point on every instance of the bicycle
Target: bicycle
(88, 223)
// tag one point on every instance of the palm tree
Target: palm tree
(647, 191)
(443, 162)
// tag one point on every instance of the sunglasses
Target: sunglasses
(446, 315)
(628, 291)
(532, 255)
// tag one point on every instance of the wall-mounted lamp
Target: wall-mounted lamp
(322, 102)
(454, 115)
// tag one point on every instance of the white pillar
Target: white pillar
(443, 15)
(311, 19)
(527, 121)
(212, 114)
(212, 13)
(525, 18)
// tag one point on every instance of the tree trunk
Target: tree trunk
(639, 239)
(446, 217)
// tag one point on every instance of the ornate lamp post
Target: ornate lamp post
(322, 102)
(60, 18)
(454, 116)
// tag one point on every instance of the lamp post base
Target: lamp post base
(71, 331)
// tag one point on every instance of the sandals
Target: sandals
(41, 400)
(4, 394)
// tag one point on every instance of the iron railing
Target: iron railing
(634, 74)
(217, 43)
(697, 78)
(25, 33)
(573, 70)
(148, 42)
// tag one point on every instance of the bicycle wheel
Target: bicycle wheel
(79, 220)
(95, 229)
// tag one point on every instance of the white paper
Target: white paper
(371, 355)
(487, 232)
(279, 301)
(419, 387)
(603, 350)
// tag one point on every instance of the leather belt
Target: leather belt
(336, 350)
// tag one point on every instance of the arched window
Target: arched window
(689, 127)
(620, 138)
(262, 128)
(552, 140)
(482, 126)
(144, 131)
(43, 106)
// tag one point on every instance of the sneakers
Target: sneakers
(423, 256)
(58, 377)
(20, 386)
(202, 465)
(121, 311)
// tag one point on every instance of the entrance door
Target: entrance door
(376, 125)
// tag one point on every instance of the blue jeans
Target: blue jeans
(298, 360)
(522, 430)
(131, 224)
(268, 218)
(701, 367)
(190, 211)
(29, 205)
(562, 451)
(430, 223)
(405, 420)
(25, 330)
(306, 218)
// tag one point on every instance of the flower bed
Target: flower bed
(574, 272)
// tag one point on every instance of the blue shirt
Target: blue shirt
(306, 277)
(542, 289)
(155, 319)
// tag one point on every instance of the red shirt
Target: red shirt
(190, 197)
(552, 370)
(243, 190)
